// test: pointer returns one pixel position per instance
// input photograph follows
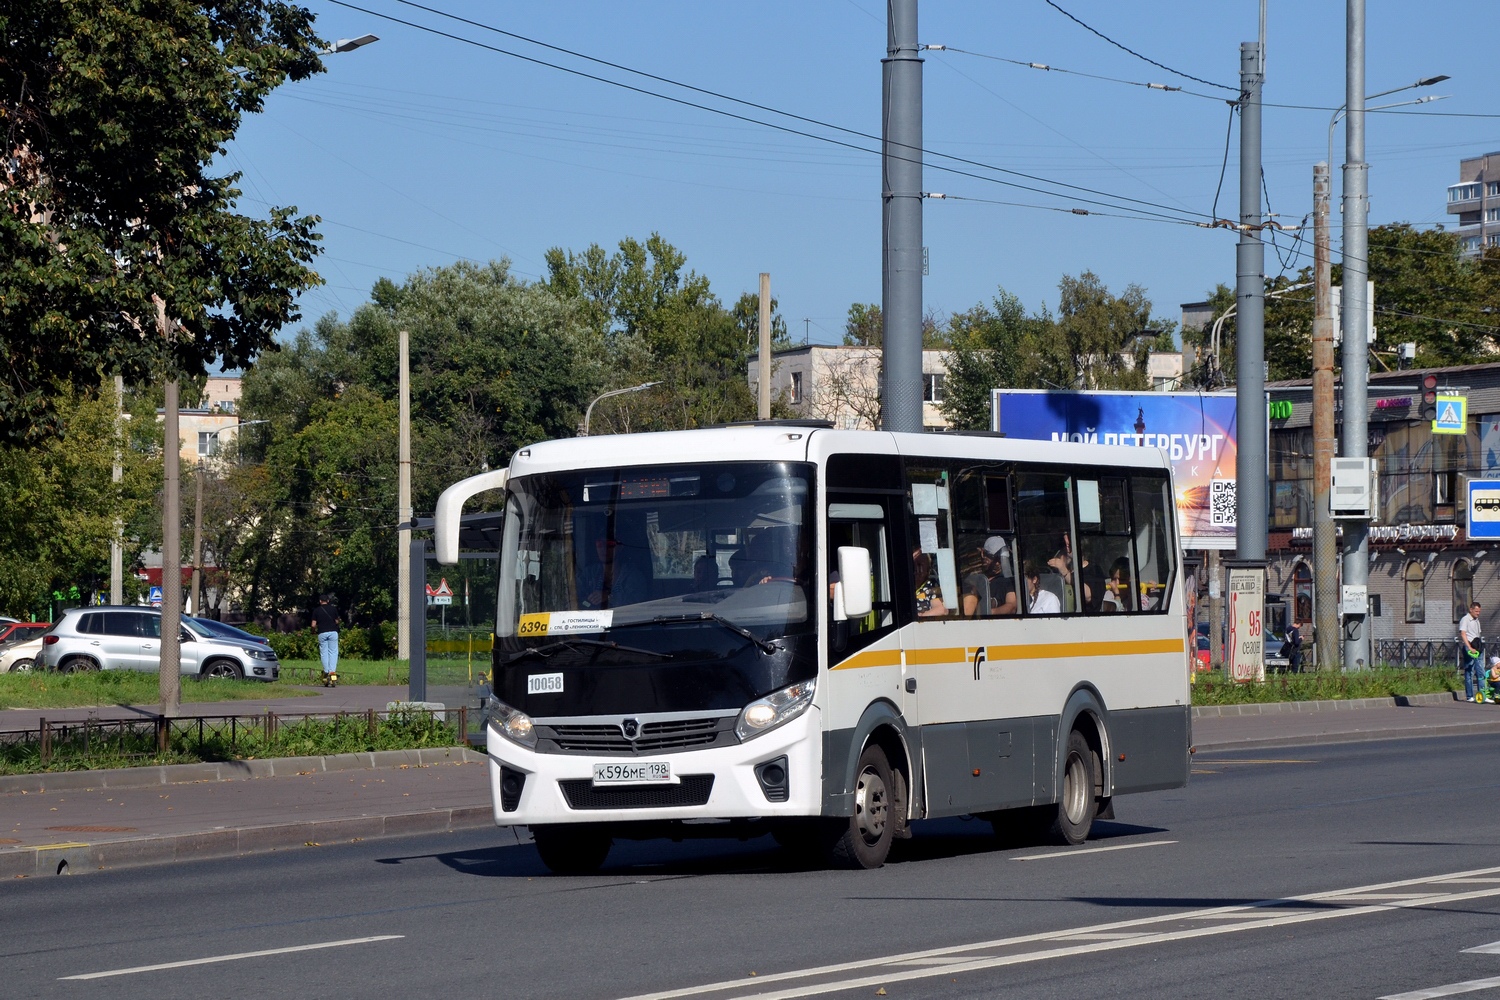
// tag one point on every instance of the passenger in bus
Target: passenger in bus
(992, 591)
(1092, 578)
(1117, 587)
(613, 580)
(705, 573)
(929, 604)
(1040, 600)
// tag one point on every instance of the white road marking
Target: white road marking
(1092, 850)
(1064, 943)
(1452, 989)
(233, 958)
(1493, 948)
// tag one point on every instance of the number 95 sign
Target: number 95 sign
(1247, 602)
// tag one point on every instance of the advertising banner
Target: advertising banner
(1247, 602)
(1195, 429)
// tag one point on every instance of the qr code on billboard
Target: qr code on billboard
(1221, 499)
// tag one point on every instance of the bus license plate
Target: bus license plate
(646, 772)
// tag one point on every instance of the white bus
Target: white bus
(827, 635)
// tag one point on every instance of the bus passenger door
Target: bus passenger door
(866, 651)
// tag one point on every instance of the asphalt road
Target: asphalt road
(1269, 876)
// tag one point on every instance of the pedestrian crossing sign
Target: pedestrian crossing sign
(1452, 415)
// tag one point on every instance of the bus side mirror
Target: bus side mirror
(852, 597)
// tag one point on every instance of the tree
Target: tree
(115, 111)
(995, 346)
(864, 327)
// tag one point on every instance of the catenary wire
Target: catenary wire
(772, 125)
(1075, 72)
(1174, 72)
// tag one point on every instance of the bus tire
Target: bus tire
(864, 840)
(572, 849)
(1076, 804)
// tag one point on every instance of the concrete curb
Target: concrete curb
(1303, 707)
(1362, 736)
(77, 858)
(234, 770)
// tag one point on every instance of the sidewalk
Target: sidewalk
(83, 821)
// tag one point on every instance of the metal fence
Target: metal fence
(1417, 652)
(211, 737)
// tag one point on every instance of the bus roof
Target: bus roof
(783, 442)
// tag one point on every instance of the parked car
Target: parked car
(129, 638)
(21, 656)
(21, 631)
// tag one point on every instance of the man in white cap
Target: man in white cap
(992, 591)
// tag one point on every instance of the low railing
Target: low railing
(229, 737)
(1417, 652)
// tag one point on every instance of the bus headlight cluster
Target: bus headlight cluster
(765, 714)
(511, 723)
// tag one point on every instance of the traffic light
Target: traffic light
(1429, 397)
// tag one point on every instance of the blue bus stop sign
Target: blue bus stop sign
(1484, 508)
(155, 597)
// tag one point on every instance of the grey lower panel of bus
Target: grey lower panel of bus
(1016, 760)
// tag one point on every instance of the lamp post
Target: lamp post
(605, 395)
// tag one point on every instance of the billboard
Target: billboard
(1195, 429)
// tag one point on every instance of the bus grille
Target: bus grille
(655, 737)
(693, 791)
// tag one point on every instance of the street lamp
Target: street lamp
(350, 44)
(613, 392)
(1428, 82)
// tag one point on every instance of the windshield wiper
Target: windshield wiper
(575, 645)
(765, 646)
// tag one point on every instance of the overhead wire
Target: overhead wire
(1168, 88)
(1124, 48)
(755, 121)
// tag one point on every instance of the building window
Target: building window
(1492, 240)
(1493, 189)
(1471, 243)
(1463, 192)
(1302, 602)
(932, 388)
(1492, 215)
(796, 387)
(1463, 588)
(1416, 598)
(208, 443)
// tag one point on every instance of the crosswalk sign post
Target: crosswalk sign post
(1452, 415)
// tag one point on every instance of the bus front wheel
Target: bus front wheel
(569, 849)
(865, 840)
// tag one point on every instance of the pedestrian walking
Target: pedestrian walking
(1292, 649)
(1471, 651)
(326, 624)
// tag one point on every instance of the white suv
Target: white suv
(129, 638)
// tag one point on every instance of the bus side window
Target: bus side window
(1156, 555)
(934, 566)
(1107, 567)
(984, 546)
(1044, 531)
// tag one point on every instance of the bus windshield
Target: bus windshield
(624, 546)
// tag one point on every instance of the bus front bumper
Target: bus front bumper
(728, 782)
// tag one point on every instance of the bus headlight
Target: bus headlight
(765, 714)
(511, 723)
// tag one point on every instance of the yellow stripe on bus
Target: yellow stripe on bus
(1029, 651)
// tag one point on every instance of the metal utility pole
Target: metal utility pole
(197, 586)
(1215, 564)
(1356, 359)
(764, 382)
(1325, 532)
(403, 507)
(901, 228)
(117, 543)
(168, 679)
(1249, 324)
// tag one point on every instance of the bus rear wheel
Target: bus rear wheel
(572, 849)
(1074, 816)
(865, 840)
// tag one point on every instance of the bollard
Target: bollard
(46, 735)
(370, 724)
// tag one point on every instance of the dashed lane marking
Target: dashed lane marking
(1452, 989)
(233, 958)
(1092, 850)
(1097, 938)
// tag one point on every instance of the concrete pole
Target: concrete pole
(168, 681)
(901, 230)
(117, 543)
(764, 382)
(403, 507)
(197, 587)
(1249, 323)
(1215, 609)
(1356, 359)
(1325, 532)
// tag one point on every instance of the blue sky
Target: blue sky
(418, 150)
